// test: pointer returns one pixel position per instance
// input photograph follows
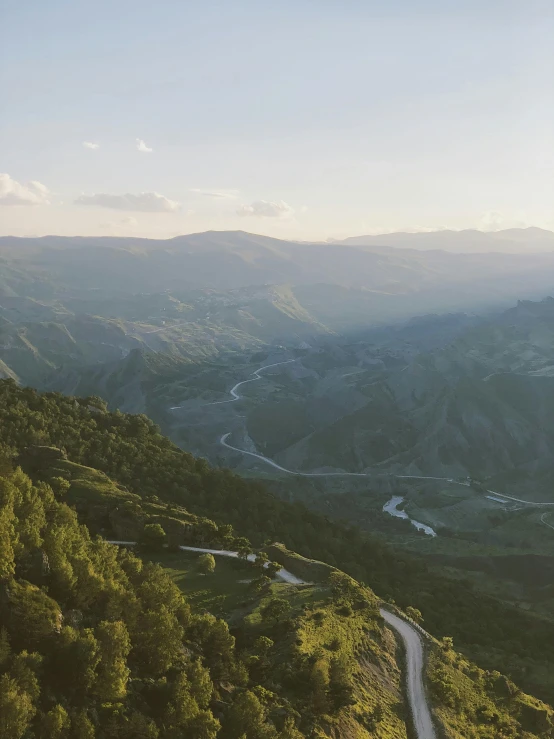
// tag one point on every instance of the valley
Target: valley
(384, 395)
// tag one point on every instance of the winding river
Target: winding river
(391, 507)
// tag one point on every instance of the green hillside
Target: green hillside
(96, 641)
(131, 451)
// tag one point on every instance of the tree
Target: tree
(289, 730)
(24, 669)
(261, 560)
(415, 614)
(343, 586)
(152, 538)
(203, 726)
(243, 547)
(60, 486)
(319, 684)
(7, 537)
(212, 636)
(16, 709)
(272, 569)
(341, 689)
(55, 724)
(182, 707)
(206, 564)
(5, 649)
(260, 584)
(140, 726)
(247, 717)
(263, 645)
(82, 727)
(113, 673)
(158, 639)
(275, 610)
(201, 685)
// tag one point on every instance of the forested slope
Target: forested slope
(132, 452)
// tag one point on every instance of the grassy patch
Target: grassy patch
(223, 592)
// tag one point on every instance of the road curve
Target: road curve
(415, 661)
(411, 638)
(282, 574)
(256, 376)
(223, 441)
(233, 391)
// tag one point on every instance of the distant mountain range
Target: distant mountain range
(68, 303)
(224, 260)
(469, 241)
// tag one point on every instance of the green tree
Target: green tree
(158, 640)
(341, 687)
(275, 610)
(5, 649)
(16, 709)
(140, 726)
(343, 586)
(243, 547)
(152, 538)
(261, 560)
(82, 727)
(247, 717)
(7, 537)
(56, 723)
(272, 569)
(201, 686)
(260, 584)
(203, 726)
(319, 685)
(24, 669)
(263, 645)
(184, 717)
(113, 673)
(289, 730)
(60, 486)
(206, 564)
(414, 614)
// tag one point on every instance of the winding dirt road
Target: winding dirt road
(223, 441)
(233, 391)
(412, 644)
(415, 661)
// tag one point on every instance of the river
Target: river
(391, 507)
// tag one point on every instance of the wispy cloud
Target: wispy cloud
(267, 209)
(492, 220)
(220, 194)
(90, 145)
(141, 146)
(15, 193)
(143, 202)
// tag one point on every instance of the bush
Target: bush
(206, 564)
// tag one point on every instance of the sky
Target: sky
(305, 119)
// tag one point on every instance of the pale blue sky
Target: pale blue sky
(343, 117)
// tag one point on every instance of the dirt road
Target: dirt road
(415, 661)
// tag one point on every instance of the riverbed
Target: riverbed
(391, 507)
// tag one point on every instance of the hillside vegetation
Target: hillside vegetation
(97, 642)
(131, 451)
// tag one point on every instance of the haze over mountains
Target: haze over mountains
(141, 322)
(507, 241)
(52, 267)
(417, 375)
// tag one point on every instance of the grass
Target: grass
(222, 593)
(470, 703)
(89, 484)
